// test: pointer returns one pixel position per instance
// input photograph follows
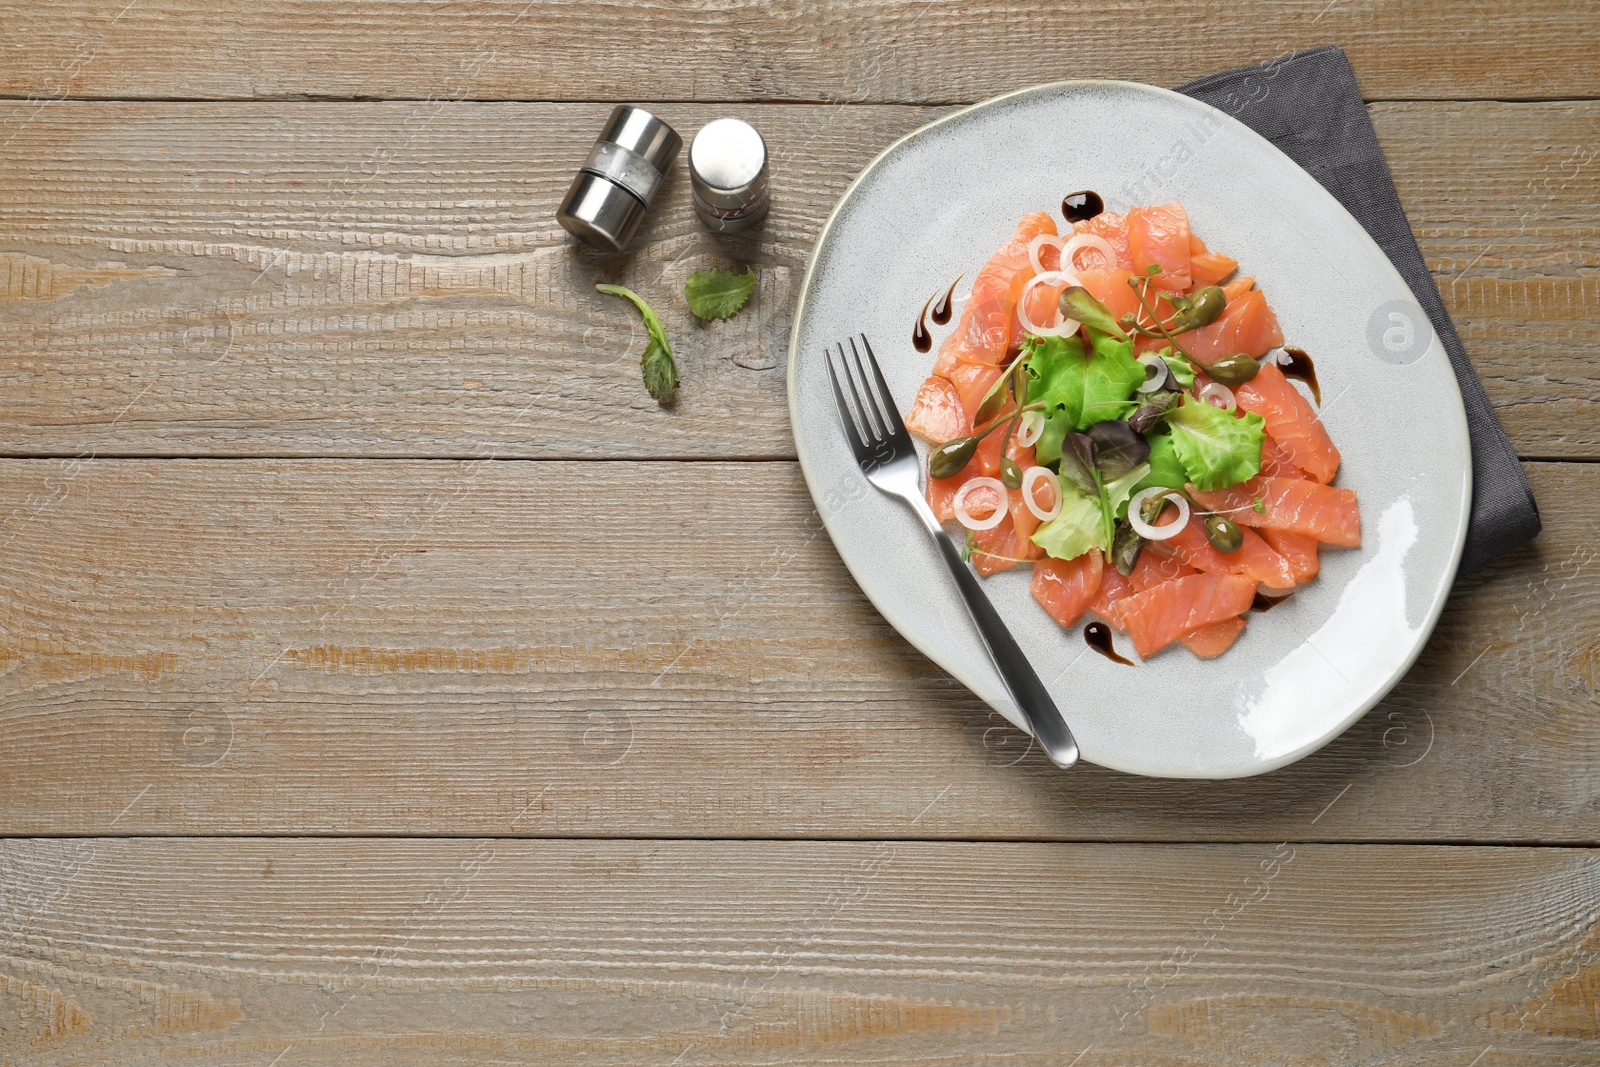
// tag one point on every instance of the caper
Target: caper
(947, 460)
(1224, 534)
(1235, 369)
(1204, 307)
(1010, 473)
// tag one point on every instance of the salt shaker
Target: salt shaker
(728, 175)
(617, 183)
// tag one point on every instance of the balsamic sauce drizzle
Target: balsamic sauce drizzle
(1263, 602)
(941, 310)
(921, 339)
(1098, 636)
(1298, 365)
(1082, 205)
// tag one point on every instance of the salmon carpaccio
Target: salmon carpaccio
(1181, 590)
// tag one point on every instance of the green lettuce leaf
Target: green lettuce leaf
(717, 294)
(1217, 448)
(1117, 493)
(1087, 388)
(1079, 527)
(1182, 370)
(1165, 469)
(1047, 449)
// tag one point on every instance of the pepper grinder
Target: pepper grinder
(616, 185)
(728, 175)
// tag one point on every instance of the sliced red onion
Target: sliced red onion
(1029, 427)
(1040, 242)
(1159, 378)
(1001, 499)
(1218, 396)
(1070, 250)
(1066, 327)
(1157, 533)
(1029, 477)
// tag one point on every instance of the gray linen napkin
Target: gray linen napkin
(1308, 104)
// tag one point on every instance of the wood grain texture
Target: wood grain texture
(868, 50)
(388, 279)
(298, 952)
(663, 649)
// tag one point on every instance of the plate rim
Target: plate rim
(1441, 595)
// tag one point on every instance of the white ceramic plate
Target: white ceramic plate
(937, 203)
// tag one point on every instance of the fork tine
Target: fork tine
(868, 427)
(890, 413)
(844, 407)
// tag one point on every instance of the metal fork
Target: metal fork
(886, 456)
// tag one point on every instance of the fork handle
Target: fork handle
(1047, 722)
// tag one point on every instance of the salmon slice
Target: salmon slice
(1298, 550)
(941, 492)
(1207, 267)
(972, 381)
(1113, 229)
(1275, 462)
(1246, 325)
(1163, 613)
(1111, 288)
(937, 413)
(984, 333)
(1210, 641)
(1155, 566)
(1255, 559)
(1295, 505)
(998, 549)
(1114, 589)
(1159, 236)
(1066, 587)
(1290, 419)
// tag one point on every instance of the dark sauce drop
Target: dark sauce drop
(921, 339)
(1263, 602)
(941, 310)
(1098, 635)
(1082, 206)
(1297, 364)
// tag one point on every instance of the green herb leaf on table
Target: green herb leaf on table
(660, 372)
(1217, 448)
(717, 294)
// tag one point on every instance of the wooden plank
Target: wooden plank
(868, 50)
(388, 279)
(624, 649)
(299, 952)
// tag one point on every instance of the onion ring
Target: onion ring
(1157, 533)
(1066, 327)
(1029, 427)
(1031, 475)
(1038, 243)
(965, 516)
(1070, 250)
(1216, 391)
(1157, 364)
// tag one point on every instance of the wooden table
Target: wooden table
(388, 681)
